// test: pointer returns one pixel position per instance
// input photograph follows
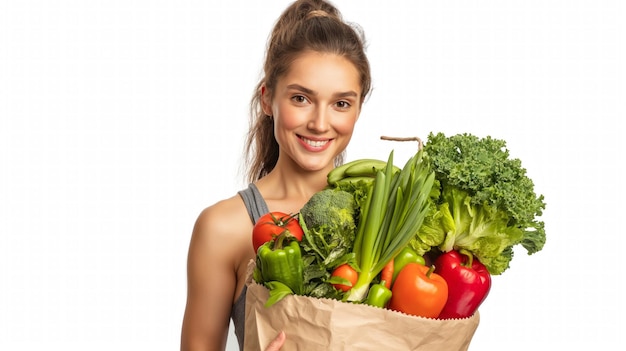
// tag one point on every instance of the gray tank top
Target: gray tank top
(256, 206)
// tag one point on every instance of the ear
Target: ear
(266, 101)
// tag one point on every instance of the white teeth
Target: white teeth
(315, 143)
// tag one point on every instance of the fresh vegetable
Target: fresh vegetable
(378, 295)
(386, 275)
(271, 224)
(485, 203)
(391, 215)
(330, 208)
(430, 235)
(344, 277)
(280, 266)
(419, 291)
(328, 220)
(371, 235)
(360, 169)
(406, 255)
(468, 282)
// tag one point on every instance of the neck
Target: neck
(288, 187)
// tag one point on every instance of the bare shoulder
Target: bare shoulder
(224, 216)
(223, 232)
(226, 223)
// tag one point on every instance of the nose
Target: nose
(319, 121)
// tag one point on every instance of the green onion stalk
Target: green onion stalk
(393, 212)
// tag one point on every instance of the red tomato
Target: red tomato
(272, 224)
(345, 271)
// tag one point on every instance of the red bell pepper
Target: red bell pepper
(468, 281)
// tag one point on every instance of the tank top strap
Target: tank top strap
(254, 202)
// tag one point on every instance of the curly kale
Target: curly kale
(487, 203)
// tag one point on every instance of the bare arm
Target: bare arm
(211, 279)
(219, 252)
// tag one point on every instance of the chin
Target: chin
(316, 166)
(312, 168)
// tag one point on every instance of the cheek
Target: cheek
(287, 118)
(345, 125)
(286, 122)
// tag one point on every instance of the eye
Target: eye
(343, 105)
(299, 99)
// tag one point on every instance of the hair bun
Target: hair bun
(317, 13)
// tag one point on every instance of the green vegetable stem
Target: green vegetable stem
(393, 212)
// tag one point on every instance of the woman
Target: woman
(303, 115)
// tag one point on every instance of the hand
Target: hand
(277, 343)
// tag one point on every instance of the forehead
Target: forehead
(322, 72)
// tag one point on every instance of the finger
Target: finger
(277, 343)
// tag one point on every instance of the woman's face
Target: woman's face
(315, 106)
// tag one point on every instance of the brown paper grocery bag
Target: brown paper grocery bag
(323, 324)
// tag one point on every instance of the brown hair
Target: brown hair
(314, 25)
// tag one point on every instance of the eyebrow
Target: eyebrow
(311, 92)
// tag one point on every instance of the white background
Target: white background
(121, 120)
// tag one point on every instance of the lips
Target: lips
(315, 144)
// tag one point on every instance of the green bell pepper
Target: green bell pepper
(407, 255)
(378, 295)
(281, 263)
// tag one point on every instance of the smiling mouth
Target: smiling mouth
(314, 143)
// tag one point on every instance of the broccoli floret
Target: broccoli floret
(330, 208)
(328, 221)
